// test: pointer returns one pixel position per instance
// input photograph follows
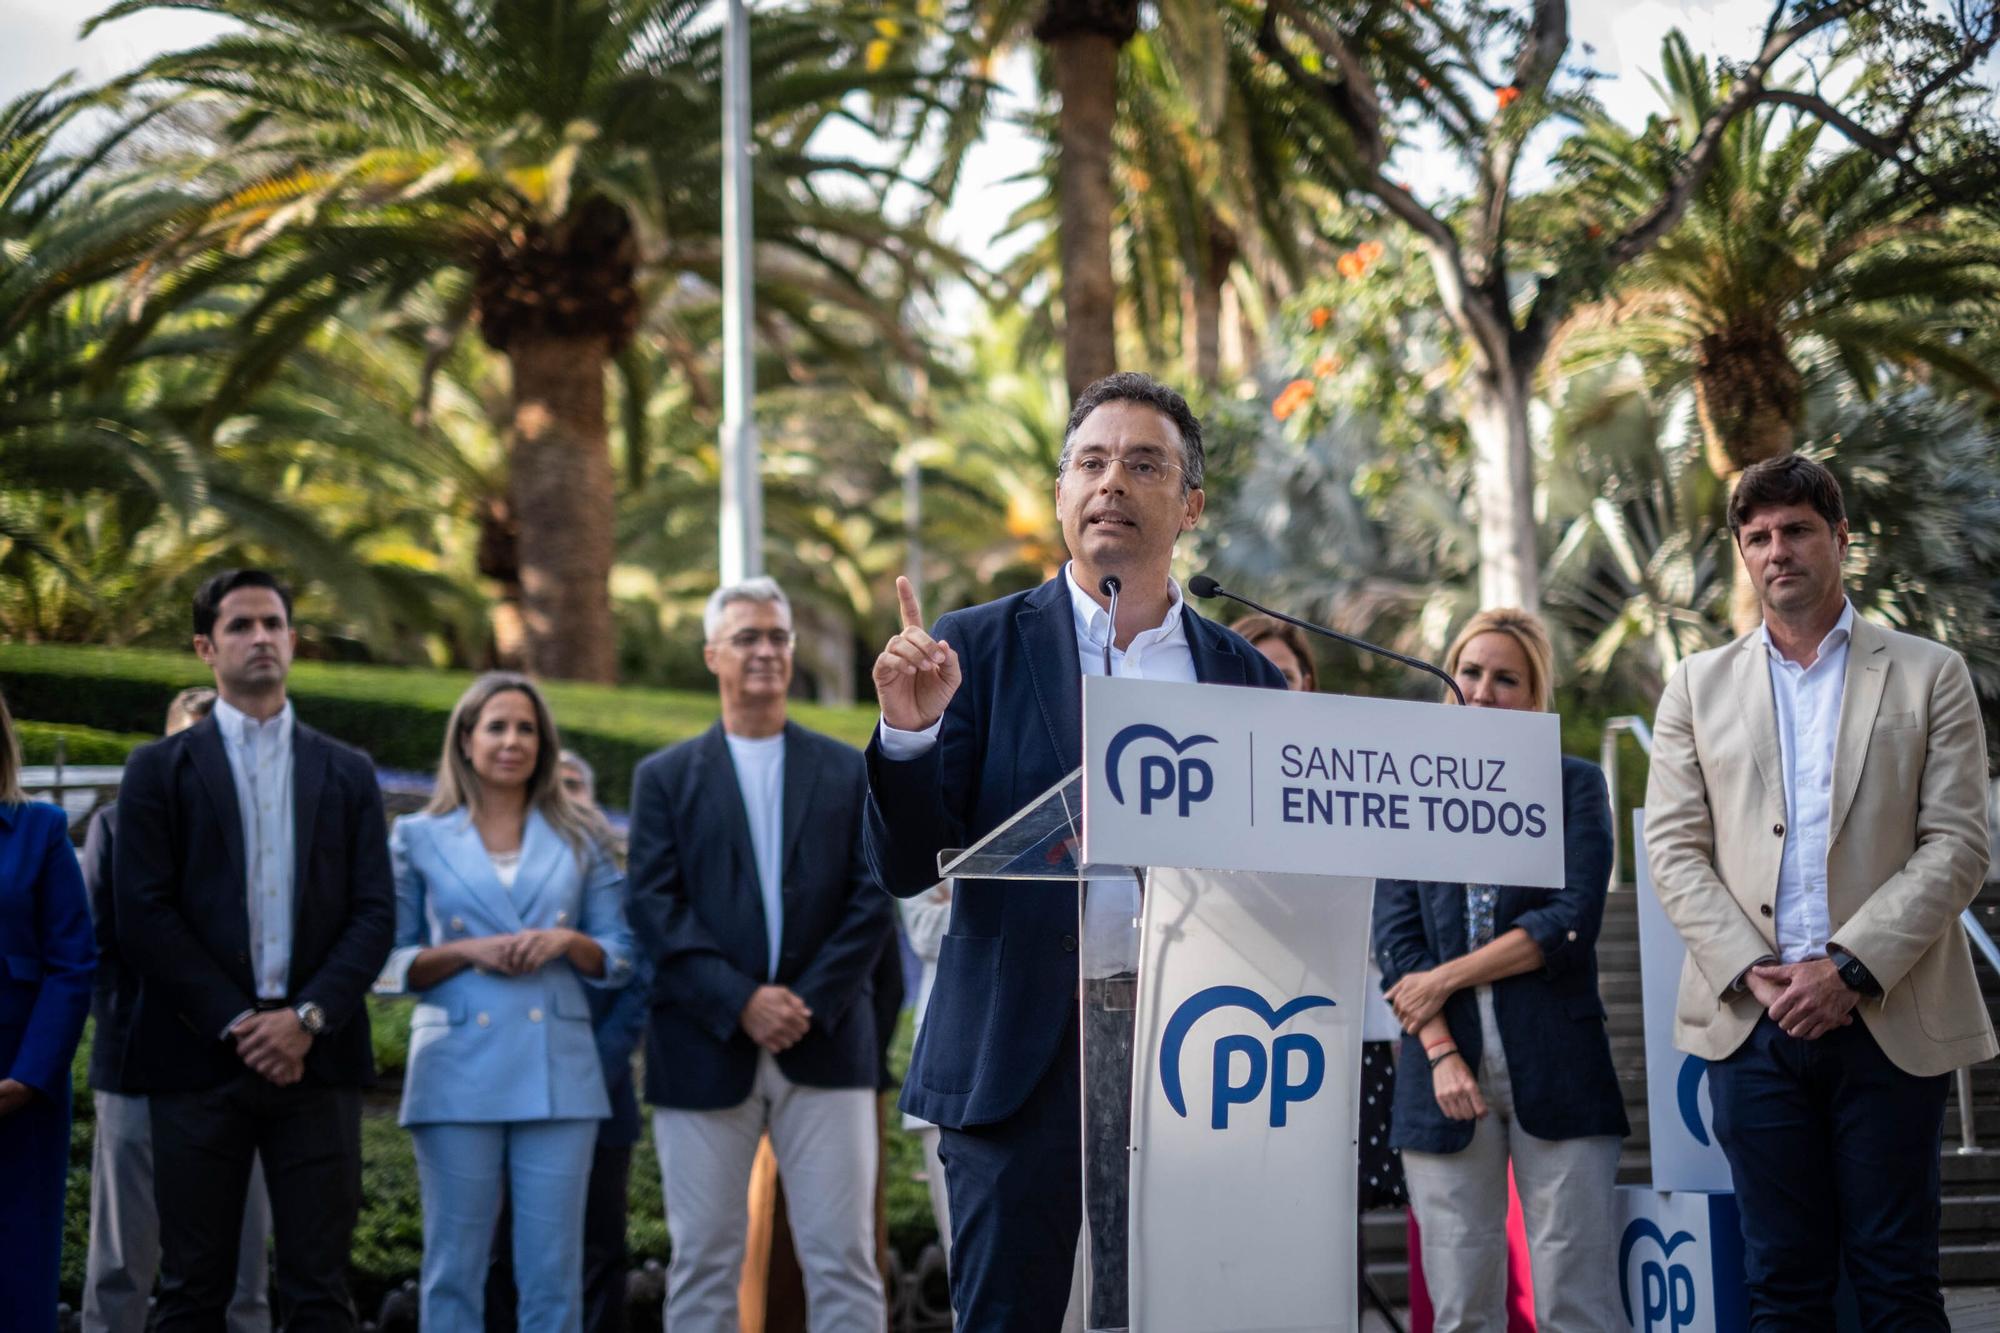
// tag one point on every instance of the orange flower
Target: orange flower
(1594, 230)
(1320, 317)
(1370, 251)
(1351, 265)
(1294, 396)
(1508, 96)
(1326, 365)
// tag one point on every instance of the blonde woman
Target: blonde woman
(1505, 1057)
(507, 905)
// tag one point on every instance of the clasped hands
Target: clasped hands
(775, 1018)
(274, 1044)
(518, 954)
(1806, 999)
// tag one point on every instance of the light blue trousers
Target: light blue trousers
(545, 1165)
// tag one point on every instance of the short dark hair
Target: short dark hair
(1788, 479)
(208, 597)
(1130, 386)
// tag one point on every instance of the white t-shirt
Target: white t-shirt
(760, 776)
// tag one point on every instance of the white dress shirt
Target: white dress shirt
(1111, 943)
(1807, 702)
(760, 776)
(260, 761)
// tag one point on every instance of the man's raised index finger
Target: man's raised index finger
(906, 599)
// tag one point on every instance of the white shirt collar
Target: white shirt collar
(239, 728)
(1836, 638)
(1093, 621)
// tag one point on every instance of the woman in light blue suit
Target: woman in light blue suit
(507, 905)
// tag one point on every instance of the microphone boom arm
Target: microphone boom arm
(1203, 586)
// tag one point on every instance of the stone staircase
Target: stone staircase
(1970, 1250)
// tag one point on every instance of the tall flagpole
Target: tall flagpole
(742, 519)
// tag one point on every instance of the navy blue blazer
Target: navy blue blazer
(1551, 1021)
(46, 952)
(699, 914)
(1007, 968)
(183, 926)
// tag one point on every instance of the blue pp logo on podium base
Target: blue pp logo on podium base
(1680, 1262)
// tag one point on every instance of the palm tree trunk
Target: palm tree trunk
(1749, 398)
(1086, 75)
(564, 503)
(1504, 489)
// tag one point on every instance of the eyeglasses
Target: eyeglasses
(1142, 469)
(746, 640)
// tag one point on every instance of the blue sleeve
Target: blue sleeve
(68, 961)
(1566, 923)
(413, 930)
(1401, 946)
(604, 919)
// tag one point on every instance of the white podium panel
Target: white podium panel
(1679, 1117)
(1228, 778)
(1245, 1101)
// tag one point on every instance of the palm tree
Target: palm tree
(1788, 258)
(538, 158)
(1786, 253)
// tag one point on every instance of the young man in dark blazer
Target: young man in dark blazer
(255, 905)
(979, 717)
(750, 894)
(124, 1255)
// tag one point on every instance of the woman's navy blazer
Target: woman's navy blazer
(1551, 1020)
(47, 950)
(485, 1047)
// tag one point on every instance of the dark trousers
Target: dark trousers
(310, 1140)
(1834, 1153)
(34, 1163)
(605, 1260)
(1016, 1206)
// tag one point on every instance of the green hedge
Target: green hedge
(396, 714)
(80, 745)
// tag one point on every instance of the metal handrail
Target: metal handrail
(1607, 757)
(1982, 943)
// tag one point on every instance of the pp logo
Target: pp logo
(1666, 1288)
(1687, 1089)
(1294, 1068)
(1161, 778)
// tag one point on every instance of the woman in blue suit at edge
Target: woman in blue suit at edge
(507, 905)
(1505, 1056)
(47, 957)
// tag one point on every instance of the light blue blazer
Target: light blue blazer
(485, 1047)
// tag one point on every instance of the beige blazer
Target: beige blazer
(1907, 845)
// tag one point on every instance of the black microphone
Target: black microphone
(1109, 586)
(1201, 585)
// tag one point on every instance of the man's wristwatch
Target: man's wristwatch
(1854, 973)
(312, 1018)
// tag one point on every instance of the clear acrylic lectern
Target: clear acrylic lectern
(1042, 842)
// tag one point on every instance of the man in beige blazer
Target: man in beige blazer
(1815, 823)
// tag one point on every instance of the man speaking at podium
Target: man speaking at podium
(979, 717)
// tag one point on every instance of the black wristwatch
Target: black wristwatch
(311, 1017)
(1854, 973)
